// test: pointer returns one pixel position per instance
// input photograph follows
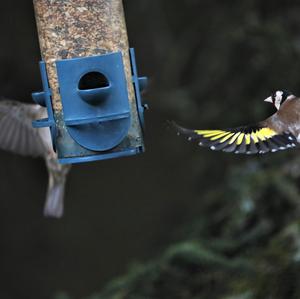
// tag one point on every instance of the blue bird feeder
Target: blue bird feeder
(91, 87)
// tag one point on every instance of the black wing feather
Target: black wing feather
(250, 139)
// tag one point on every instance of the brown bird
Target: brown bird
(17, 135)
(278, 132)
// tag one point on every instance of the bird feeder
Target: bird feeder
(90, 83)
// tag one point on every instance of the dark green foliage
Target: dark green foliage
(246, 244)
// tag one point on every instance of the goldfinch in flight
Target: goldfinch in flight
(278, 132)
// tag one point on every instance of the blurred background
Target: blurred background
(178, 221)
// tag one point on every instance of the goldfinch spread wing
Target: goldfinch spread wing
(16, 131)
(252, 139)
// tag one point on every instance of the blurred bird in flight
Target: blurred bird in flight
(18, 136)
(278, 132)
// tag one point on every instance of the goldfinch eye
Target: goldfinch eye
(274, 97)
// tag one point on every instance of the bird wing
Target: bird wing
(251, 139)
(16, 132)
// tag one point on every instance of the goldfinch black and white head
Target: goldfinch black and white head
(278, 132)
(279, 97)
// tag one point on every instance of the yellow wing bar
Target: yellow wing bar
(256, 136)
(245, 140)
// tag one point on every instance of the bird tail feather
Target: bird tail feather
(54, 205)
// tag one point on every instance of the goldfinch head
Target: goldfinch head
(279, 97)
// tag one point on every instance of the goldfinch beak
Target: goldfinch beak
(269, 99)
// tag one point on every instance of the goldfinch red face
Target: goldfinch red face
(279, 97)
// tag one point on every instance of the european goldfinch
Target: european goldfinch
(17, 135)
(278, 132)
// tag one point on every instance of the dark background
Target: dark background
(187, 216)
